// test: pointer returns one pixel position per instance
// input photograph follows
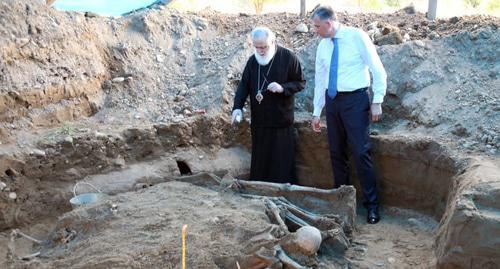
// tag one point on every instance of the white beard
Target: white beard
(264, 60)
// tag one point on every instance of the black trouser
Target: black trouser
(347, 118)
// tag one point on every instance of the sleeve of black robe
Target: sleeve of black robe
(295, 78)
(243, 88)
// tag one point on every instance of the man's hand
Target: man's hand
(237, 116)
(376, 111)
(315, 125)
(275, 87)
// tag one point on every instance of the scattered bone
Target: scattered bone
(38, 153)
(2, 186)
(267, 256)
(16, 233)
(294, 248)
(274, 214)
(330, 228)
(11, 246)
(340, 202)
(118, 79)
(67, 236)
(287, 261)
(331, 221)
(308, 239)
(278, 246)
(30, 256)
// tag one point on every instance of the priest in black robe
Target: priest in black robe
(270, 79)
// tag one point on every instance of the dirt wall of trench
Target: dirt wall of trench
(41, 174)
(469, 231)
(413, 173)
(421, 174)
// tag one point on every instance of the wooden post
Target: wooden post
(431, 11)
(302, 8)
(184, 231)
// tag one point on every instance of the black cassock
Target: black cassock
(273, 136)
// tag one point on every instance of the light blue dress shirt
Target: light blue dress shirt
(357, 59)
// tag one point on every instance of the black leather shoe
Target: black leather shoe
(373, 216)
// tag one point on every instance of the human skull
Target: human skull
(308, 239)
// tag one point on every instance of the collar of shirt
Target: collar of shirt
(340, 32)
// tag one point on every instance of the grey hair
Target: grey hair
(263, 33)
(324, 13)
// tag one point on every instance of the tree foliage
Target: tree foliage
(493, 6)
(473, 3)
(259, 4)
(370, 4)
(392, 3)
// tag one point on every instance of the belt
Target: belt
(352, 92)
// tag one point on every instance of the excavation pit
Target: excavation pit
(421, 185)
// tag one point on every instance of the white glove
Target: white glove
(237, 116)
(275, 87)
(376, 111)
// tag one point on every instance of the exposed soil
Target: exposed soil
(406, 241)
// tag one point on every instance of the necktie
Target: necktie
(334, 66)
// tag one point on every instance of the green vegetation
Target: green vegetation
(393, 3)
(66, 129)
(370, 4)
(493, 7)
(259, 4)
(473, 3)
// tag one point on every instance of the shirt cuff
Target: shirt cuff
(317, 112)
(378, 99)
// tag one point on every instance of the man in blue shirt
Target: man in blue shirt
(345, 57)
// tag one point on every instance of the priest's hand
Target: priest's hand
(315, 125)
(237, 116)
(376, 111)
(275, 87)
